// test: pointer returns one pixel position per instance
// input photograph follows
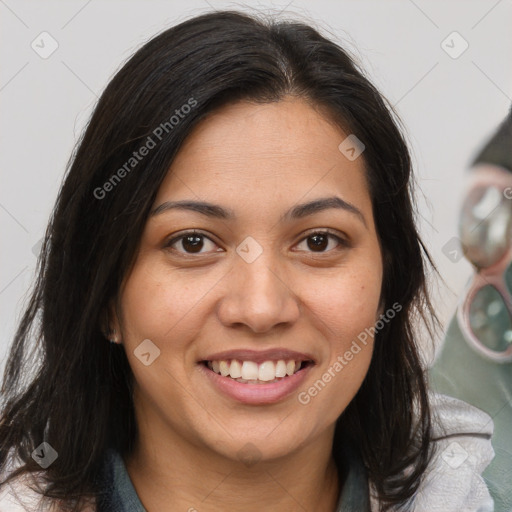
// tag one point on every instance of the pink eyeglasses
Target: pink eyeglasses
(485, 312)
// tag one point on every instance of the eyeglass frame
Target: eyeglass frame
(494, 276)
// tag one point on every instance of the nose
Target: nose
(258, 297)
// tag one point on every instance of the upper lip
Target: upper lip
(260, 356)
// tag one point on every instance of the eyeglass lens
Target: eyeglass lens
(489, 317)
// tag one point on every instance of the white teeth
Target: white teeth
(235, 370)
(250, 372)
(224, 368)
(281, 368)
(267, 371)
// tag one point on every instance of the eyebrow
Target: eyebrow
(297, 212)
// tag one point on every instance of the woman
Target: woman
(237, 220)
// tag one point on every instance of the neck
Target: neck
(183, 476)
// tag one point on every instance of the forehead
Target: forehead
(250, 152)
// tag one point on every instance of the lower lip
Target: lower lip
(255, 394)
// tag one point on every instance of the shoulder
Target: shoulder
(462, 450)
(461, 437)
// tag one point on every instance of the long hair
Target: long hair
(78, 397)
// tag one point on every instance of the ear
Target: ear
(387, 259)
(380, 311)
(110, 325)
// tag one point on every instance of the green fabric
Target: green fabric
(462, 373)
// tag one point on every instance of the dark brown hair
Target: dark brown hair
(78, 398)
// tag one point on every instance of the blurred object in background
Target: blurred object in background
(485, 313)
(475, 361)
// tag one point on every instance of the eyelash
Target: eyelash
(341, 241)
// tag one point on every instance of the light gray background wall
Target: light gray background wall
(449, 105)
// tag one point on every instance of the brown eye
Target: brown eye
(320, 241)
(190, 243)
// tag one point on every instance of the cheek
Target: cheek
(347, 309)
(347, 312)
(349, 303)
(164, 307)
(160, 304)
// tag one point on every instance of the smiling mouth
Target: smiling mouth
(250, 372)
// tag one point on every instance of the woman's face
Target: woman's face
(258, 290)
